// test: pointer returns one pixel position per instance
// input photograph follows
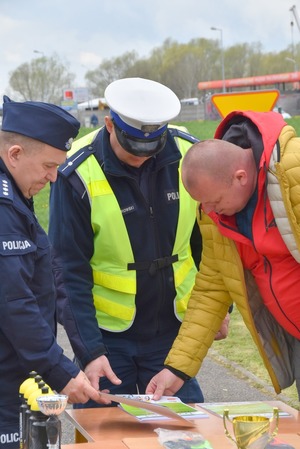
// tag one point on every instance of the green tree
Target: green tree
(179, 66)
(187, 64)
(110, 70)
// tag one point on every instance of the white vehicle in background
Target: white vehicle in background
(190, 101)
(93, 104)
(282, 112)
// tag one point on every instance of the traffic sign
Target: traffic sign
(258, 100)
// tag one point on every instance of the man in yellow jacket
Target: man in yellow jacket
(247, 181)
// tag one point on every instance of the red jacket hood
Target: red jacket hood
(269, 125)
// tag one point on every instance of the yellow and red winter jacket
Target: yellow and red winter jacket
(224, 278)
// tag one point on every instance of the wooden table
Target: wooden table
(117, 429)
(111, 444)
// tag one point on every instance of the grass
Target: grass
(238, 347)
(203, 129)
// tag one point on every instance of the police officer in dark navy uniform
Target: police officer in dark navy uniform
(33, 142)
(125, 250)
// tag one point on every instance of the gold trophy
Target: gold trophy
(252, 432)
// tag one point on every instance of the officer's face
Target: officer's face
(122, 155)
(32, 169)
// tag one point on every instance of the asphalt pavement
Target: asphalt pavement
(220, 380)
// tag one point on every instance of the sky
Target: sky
(85, 32)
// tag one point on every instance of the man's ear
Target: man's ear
(241, 176)
(108, 123)
(14, 154)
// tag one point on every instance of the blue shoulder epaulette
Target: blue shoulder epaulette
(175, 132)
(75, 160)
(6, 191)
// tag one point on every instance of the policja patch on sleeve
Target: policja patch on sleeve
(15, 245)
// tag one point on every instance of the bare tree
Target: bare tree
(43, 79)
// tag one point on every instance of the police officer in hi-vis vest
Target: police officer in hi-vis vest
(123, 231)
(34, 140)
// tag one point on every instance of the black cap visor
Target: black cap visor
(140, 147)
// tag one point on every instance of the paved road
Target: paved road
(220, 382)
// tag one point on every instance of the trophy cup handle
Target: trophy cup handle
(227, 433)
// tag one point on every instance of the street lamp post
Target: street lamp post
(41, 65)
(222, 56)
(40, 52)
(296, 84)
(294, 62)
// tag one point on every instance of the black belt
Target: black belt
(154, 265)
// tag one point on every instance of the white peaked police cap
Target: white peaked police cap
(141, 103)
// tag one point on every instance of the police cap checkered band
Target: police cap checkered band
(147, 131)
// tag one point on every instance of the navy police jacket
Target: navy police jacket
(146, 192)
(27, 299)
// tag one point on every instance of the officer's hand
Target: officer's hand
(79, 390)
(100, 367)
(223, 332)
(164, 383)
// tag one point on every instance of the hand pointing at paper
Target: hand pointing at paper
(164, 383)
(97, 368)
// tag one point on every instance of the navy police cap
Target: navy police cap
(45, 122)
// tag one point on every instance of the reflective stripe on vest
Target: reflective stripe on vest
(114, 285)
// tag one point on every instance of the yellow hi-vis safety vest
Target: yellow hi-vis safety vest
(114, 285)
